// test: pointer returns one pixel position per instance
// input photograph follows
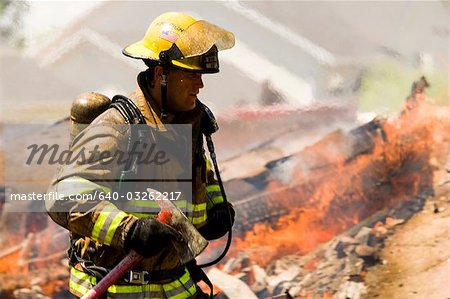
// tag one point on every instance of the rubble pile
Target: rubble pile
(334, 270)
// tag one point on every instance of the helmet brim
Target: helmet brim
(138, 50)
(196, 40)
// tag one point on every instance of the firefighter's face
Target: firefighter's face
(183, 88)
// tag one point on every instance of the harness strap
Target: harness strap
(128, 109)
(197, 274)
(132, 115)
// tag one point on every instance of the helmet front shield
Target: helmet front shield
(199, 38)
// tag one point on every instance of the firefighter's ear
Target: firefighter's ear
(157, 74)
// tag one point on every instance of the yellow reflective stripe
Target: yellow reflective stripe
(83, 276)
(147, 291)
(186, 294)
(124, 289)
(209, 166)
(215, 199)
(78, 185)
(212, 188)
(101, 221)
(113, 227)
(176, 283)
(198, 207)
(151, 287)
(197, 213)
(80, 283)
(79, 289)
(214, 195)
(107, 223)
(181, 288)
(181, 204)
(197, 220)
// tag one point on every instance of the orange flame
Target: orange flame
(330, 199)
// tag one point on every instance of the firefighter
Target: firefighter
(177, 49)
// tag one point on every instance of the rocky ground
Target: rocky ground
(416, 258)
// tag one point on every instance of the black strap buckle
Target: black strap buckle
(137, 277)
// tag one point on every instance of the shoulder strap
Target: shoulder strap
(132, 116)
(128, 109)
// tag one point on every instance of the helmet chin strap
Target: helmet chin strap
(164, 93)
(165, 62)
(165, 58)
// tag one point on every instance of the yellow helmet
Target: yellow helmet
(180, 40)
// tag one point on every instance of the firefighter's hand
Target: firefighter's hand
(149, 236)
(218, 222)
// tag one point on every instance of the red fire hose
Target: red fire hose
(132, 259)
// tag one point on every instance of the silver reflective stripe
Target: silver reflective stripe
(141, 295)
(125, 296)
(181, 288)
(197, 207)
(187, 289)
(213, 194)
(138, 295)
(84, 283)
(79, 282)
(198, 214)
(106, 226)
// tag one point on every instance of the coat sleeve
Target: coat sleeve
(83, 184)
(213, 193)
(218, 220)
